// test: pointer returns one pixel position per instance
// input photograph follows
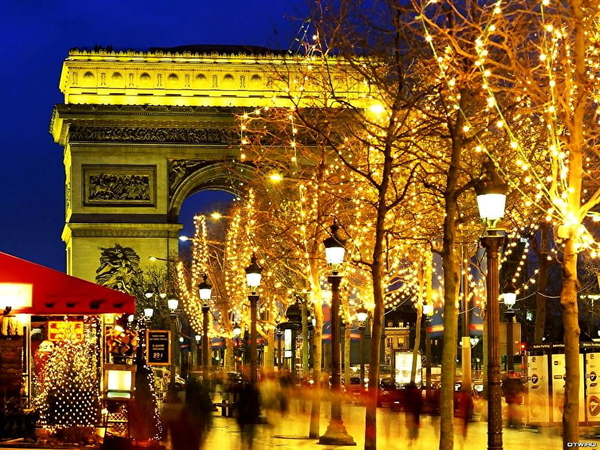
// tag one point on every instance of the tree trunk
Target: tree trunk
(451, 285)
(570, 314)
(413, 368)
(347, 348)
(542, 284)
(315, 409)
(450, 264)
(305, 343)
(375, 349)
(229, 356)
(269, 352)
(572, 219)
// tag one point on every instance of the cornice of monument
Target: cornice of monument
(149, 110)
(183, 53)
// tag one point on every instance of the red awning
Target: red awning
(54, 292)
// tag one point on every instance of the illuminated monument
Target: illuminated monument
(142, 131)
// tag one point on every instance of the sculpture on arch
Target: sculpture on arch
(119, 269)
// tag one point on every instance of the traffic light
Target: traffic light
(523, 347)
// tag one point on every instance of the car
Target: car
(354, 388)
(390, 394)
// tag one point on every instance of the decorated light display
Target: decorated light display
(68, 386)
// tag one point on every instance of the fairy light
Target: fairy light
(68, 394)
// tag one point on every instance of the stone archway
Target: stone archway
(143, 131)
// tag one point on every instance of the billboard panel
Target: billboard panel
(592, 365)
(538, 401)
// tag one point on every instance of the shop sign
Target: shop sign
(158, 350)
(61, 330)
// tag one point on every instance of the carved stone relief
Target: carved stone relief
(139, 134)
(67, 196)
(179, 169)
(119, 185)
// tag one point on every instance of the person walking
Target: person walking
(195, 418)
(248, 413)
(512, 390)
(414, 405)
(463, 408)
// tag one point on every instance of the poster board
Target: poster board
(158, 348)
(592, 383)
(538, 401)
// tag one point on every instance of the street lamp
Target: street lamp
(336, 433)
(204, 292)
(253, 276)
(172, 304)
(491, 200)
(362, 314)
(510, 298)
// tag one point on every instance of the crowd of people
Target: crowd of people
(187, 421)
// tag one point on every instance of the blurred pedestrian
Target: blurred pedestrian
(270, 392)
(248, 413)
(463, 408)
(195, 418)
(286, 384)
(413, 408)
(512, 390)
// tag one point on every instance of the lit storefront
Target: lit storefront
(53, 334)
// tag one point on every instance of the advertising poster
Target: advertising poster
(537, 368)
(592, 364)
(61, 330)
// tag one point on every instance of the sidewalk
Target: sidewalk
(291, 432)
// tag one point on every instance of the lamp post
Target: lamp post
(253, 276)
(236, 336)
(204, 292)
(279, 334)
(427, 311)
(198, 339)
(173, 303)
(510, 298)
(491, 199)
(336, 433)
(362, 315)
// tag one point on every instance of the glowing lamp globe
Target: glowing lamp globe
(491, 195)
(173, 303)
(204, 289)
(334, 247)
(510, 295)
(253, 273)
(237, 330)
(361, 314)
(427, 309)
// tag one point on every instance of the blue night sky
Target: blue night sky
(35, 38)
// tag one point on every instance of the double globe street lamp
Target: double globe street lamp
(491, 200)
